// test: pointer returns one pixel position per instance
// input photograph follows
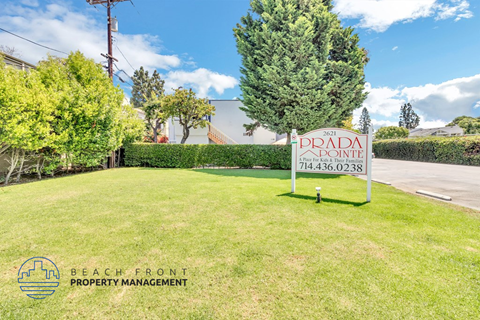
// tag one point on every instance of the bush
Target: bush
(193, 155)
(64, 114)
(391, 132)
(454, 150)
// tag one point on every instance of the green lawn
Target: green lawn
(252, 250)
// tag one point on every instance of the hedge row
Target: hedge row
(191, 155)
(454, 150)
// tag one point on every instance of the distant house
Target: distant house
(440, 132)
(226, 127)
(16, 62)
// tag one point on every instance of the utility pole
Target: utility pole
(109, 37)
(108, 4)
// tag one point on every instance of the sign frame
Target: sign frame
(368, 150)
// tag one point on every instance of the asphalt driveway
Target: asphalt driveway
(461, 183)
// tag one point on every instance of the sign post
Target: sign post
(333, 151)
(294, 156)
(369, 165)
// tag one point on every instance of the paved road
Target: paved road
(462, 183)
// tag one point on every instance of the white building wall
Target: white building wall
(175, 134)
(263, 136)
(229, 119)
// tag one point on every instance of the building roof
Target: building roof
(442, 131)
(16, 62)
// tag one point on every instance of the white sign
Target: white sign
(333, 151)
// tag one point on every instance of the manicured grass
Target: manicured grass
(252, 250)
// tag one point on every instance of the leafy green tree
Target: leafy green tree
(365, 121)
(26, 113)
(4, 108)
(251, 127)
(348, 125)
(155, 115)
(190, 111)
(301, 69)
(408, 118)
(145, 87)
(470, 125)
(133, 128)
(67, 113)
(90, 118)
(391, 132)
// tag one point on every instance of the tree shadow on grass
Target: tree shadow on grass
(265, 174)
(328, 200)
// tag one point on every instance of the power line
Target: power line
(135, 7)
(35, 43)
(125, 57)
(144, 21)
(123, 81)
(121, 70)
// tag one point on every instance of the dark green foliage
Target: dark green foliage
(408, 118)
(146, 87)
(454, 150)
(190, 155)
(365, 121)
(301, 69)
(470, 125)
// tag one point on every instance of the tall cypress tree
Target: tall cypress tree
(408, 118)
(301, 69)
(146, 87)
(365, 121)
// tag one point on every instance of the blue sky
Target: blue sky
(422, 51)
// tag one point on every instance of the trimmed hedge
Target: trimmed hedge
(451, 150)
(197, 155)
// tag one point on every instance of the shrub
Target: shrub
(391, 132)
(452, 150)
(65, 114)
(192, 155)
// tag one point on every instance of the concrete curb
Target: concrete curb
(434, 195)
(382, 182)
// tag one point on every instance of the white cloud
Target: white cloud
(394, 122)
(436, 104)
(377, 123)
(466, 15)
(394, 48)
(432, 124)
(141, 50)
(59, 26)
(446, 100)
(383, 123)
(379, 15)
(383, 101)
(30, 3)
(201, 80)
(458, 10)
